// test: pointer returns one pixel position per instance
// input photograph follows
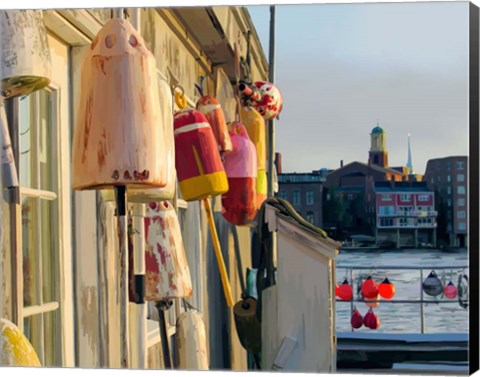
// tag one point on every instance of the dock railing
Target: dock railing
(421, 302)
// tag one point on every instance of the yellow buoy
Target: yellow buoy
(15, 348)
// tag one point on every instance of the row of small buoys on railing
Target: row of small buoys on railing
(433, 286)
(369, 290)
(370, 320)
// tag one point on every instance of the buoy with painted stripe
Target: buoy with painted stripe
(197, 160)
(209, 106)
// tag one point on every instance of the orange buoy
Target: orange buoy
(345, 291)
(450, 291)
(386, 289)
(336, 289)
(212, 110)
(369, 288)
(356, 320)
(371, 320)
(371, 302)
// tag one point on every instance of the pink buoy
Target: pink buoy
(450, 291)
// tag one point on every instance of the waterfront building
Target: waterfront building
(402, 213)
(305, 192)
(448, 178)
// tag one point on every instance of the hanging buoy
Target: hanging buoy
(263, 97)
(369, 288)
(450, 291)
(212, 110)
(336, 289)
(15, 349)
(167, 272)
(432, 285)
(371, 320)
(372, 302)
(356, 320)
(240, 201)
(197, 160)
(345, 291)
(191, 342)
(255, 125)
(117, 140)
(463, 295)
(386, 289)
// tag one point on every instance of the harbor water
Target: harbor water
(447, 317)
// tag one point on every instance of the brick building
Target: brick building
(448, 178)
(305, 192)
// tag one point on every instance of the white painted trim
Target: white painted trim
(34, 193)
(191, 127)
(29, 311)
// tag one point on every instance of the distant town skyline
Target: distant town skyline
(344, 67)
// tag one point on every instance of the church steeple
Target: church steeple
(378, 152)
(409, 162)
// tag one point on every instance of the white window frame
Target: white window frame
(61, 208)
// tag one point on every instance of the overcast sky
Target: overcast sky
(342, 67)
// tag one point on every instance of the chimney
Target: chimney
(341, 163)
(278, 162)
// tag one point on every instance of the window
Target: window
(462, 226)
(386, 210)
(449, 202)
(283, 194)
(460, 165)
(310, 217)
(405, 197)
(449, 178)
(309, 199)
(386, 197)
(432, 180)
(38, 169)
(449, 190)
(461, 214)
(449, 165)
(461, 190)
(296, 197)
(461, 202)
(460, 177)
(423, 198)
(404, 210)
(386, 222)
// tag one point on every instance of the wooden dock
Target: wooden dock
(403, 353)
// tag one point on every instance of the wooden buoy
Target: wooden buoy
(248, 326)
(240, 201)
(117, 140)
(197, 160)
(145, 194)
(167, 273)
(191, 342)
(255, 125)
(209, 106)
(26, 63)
(15, 349)
(263, 97)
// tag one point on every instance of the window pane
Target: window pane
(29, 245)
(49, 250)
(26, 141)
(45, 142)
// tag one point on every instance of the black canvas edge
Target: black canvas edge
(474, 318)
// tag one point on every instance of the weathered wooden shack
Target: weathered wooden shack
(66, 296)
